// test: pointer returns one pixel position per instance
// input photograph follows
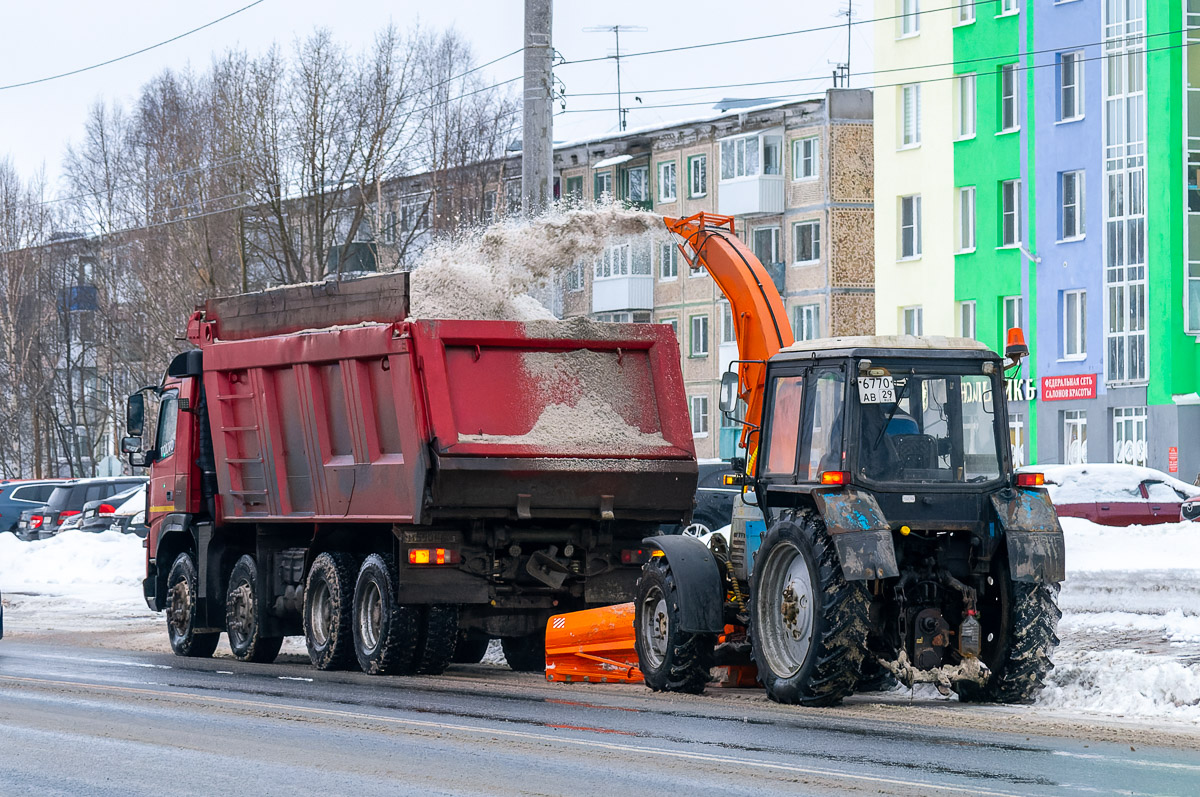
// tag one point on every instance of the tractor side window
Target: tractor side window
(168, 417)
(784, 439)
(823, 447)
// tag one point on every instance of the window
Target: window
(766, 245)
(1070, 86)
(668, 261)
(783, 435)
(699, 338)
(966, 106)
(666, 182)
(699, 412)
(389, 226)
(966, 219)
(673, 323)
(772, 154)
(489, 205)
(1070, 215)
(1008, 98)
(807, 236)
(614, 261)
(1010, 219)
(823, 447)
(1016, 439)
(1074, 315)
(966, 12)
(1129, 435)
(602, 186)
(806, 158)
(910, 22)
(1075, 437)
(575, 188)
(739, 157)
(575, 278)
(697, 176)
(910, 227)
(637, 184)
(728, 333)
(966, 319)
(1009, 7)
(1125, 274)
(1012, 314)
(168, 418)
(913, 320)
(806, 321)
(910, 120)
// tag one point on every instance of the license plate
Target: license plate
(876, 390)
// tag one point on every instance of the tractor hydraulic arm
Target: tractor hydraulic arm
(759, 318)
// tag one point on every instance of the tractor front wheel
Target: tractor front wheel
(671, 660)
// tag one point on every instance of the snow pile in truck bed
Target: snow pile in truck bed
(488, 274)
(588, 424)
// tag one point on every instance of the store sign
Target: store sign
(1173, 459)
(1060, 388)
(1021, 389)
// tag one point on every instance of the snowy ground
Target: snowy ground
(1130, 630)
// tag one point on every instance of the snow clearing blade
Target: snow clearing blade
(593, 645)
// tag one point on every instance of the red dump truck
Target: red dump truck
(402, 491)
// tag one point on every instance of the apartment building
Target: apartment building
(796, 176)
(1062, 134)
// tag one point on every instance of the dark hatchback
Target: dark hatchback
(17, 496)
(68, 499)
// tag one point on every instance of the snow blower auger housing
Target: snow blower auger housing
(898, 543)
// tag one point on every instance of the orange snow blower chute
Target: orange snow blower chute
(594, 645)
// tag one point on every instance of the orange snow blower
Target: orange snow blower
(594, 645)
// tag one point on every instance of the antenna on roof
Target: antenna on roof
(617, 30)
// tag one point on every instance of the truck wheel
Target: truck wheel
(808, 624)
(470, 649)
(439, 638)
(385, 632)
(242, 614)
(526, 653)
(328, 611)
(1020, 624)
(671, 660)
(182, 595)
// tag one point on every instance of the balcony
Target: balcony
(752, 178)
(746, 195)
(635, 292)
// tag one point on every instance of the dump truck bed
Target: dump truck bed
(416, 421)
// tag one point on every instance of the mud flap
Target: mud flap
(860, 532)
(698, 580)
(866, 555)
(1036, 550)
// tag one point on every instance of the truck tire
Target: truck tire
(808, 625)
(329, 611)
(526, 653)
(470, 649)
(385, 632)
(439, 638)
(182, 595)
(242, 614)
(1020, 625)
(671, 660)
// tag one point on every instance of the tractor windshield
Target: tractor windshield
(927, 427)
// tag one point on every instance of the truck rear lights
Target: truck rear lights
(433, 556)
(1031, 479)
(636, 556)
(835, 477)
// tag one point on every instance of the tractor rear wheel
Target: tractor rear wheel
(671, 660)
(1020, 624)
(808, 625)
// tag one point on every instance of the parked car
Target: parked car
(67, 500)
(714, 500)
(1115, 495)
(124, 512)
(1190, 509)
(18, 495)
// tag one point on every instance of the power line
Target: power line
(782, 97)
(763, 37)
(132, 54)
(822, 78)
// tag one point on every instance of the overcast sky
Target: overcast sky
(46, 37)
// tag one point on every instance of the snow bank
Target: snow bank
(73, 563)
(1091, 547)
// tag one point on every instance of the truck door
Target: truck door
(174, 483)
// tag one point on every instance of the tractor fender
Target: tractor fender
(1033, 536)
(860, 533)
(701, 590)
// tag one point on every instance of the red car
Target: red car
(1118, 495)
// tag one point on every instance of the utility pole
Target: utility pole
(537, 137)
(617, 30)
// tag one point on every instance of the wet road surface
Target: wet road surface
(84, 720)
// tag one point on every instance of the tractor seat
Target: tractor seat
(916, 451)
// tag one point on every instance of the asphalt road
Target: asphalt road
(87, 720)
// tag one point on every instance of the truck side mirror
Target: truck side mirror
(729, 391)
(135, 416)
(131, 445)
(138, 459)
